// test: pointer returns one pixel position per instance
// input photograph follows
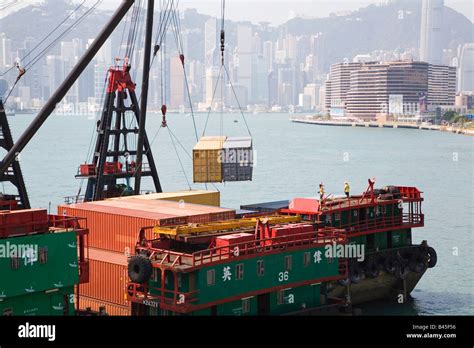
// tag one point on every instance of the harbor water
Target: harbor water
(291, 160)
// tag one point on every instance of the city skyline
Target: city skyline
(268, 67)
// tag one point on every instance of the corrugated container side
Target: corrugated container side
(211, 198)
(109, 231)
(238, 162)
(112, 309)
(207, 164)
(116, 232)
(107, 282)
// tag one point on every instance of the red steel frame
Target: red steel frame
(409, 195)
(169, 299)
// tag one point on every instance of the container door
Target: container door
(263, 304)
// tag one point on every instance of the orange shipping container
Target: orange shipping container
(108, 277)
(114, 225)
(111, 309)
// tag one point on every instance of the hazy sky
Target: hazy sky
(275, 11)
(278, 11)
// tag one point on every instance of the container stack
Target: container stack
(207, 159)
(113, 231)
(211, 198)
(38, 265)
(238, 162)
(222, 159)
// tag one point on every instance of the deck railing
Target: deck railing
(171, 258)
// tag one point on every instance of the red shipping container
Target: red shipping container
(228, 243)
(21, 222)
(111, 309)
(108, 277)
(300, 231)
(279, 233)
(307, 205)
(114, 224)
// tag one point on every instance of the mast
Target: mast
(144, 100)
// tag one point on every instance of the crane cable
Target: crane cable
(37, 58)
(46, 37)
(179, 44)
(223, 71)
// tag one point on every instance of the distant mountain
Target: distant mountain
(37, 20)
(387, 27)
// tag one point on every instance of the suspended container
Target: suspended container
(207, 159)
(238, 159)
(223, 159)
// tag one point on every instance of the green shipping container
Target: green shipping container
(45, 261)
(56, 303)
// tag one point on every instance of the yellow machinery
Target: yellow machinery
(224, 225)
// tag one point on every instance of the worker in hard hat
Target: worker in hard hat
(347, 188)
(321, 191)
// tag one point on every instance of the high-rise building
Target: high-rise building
(6, 58)
(55, 71)
(304, 101)
(318, 50)
(367, 90)
(259, 81)
(441, 86)
(269, 54)
(213, 87)
(312, 90)
(340, 82)
(431, 49)
(100, 80)
(466, 68)
(235, 97)
(286, 82)
(285, 94)
(211, 45)
(177, 86)
(244, 47)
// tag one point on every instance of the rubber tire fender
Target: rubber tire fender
(418, 263)
(391, 263)
(402, 270)
(344, 282)
(356, 273)
(432, 257)
(371, 269)
(139, 269)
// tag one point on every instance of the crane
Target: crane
(9, 166)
